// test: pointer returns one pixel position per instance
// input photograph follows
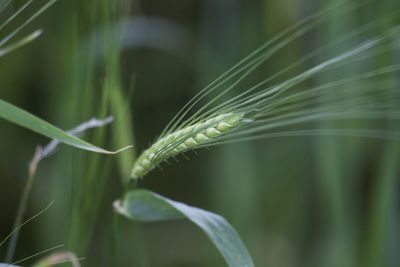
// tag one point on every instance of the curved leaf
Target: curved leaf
(25, 119)
(146, 206)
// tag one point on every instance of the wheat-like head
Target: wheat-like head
(270, 106)
(188, 138)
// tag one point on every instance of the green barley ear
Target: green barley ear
(272, 106)
(185, 139)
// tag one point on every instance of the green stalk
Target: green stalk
(334, 154)
(383, 210)
(22, 206)
(39, 155)
(381, 221)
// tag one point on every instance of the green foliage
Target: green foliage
(325, 201)
(25, 119)
(146, 206)
(21, 117)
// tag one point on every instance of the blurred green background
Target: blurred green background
(298, 201)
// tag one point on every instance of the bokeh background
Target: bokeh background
(298, 201)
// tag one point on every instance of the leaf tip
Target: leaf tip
(121, 150)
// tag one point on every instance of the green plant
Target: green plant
(266, 110)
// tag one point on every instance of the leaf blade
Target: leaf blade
(146, 206)
(27, 120)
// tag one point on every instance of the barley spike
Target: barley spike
(184, 139)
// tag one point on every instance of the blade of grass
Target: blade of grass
(340, 236)
(25, 119)
(146, 206)
(38, 254)
(122, 129)
(39, 155)
(25, 222)
(383, 197)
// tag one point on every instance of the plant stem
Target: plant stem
(41, 153)
(23, 204)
